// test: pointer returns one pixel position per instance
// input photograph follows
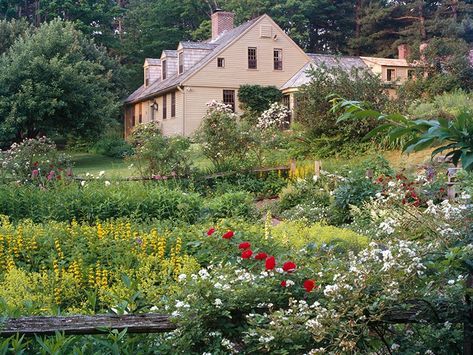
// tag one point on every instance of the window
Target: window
(140, 117)
(221, 62)
(252, 59)
(229, 98)
(133, 123)
(181, 63)
(165, 67)
(165, 107)
(411, 73)
(151, 110)
(277, 59)
(390, 74)
(173, 104)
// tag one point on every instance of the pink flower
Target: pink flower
(35, 173)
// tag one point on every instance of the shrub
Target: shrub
(447, 105)
(256, 98)
(233, 204)
(157, 155)
(113, 145)
(220, 136)
(313, 107)
(35, 160)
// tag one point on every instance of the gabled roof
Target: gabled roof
(218, 45)
(198, 45)
(329, 61)
(153, 61)
(171, 53)
(387, 61)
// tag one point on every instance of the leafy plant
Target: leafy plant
(454, 136)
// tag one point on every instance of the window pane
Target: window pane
(252, 58)
(165, 109)
(221, 62)
(278, 59)
(229, 98)
(173, 104)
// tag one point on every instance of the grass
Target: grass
(118, 168)
(94, 164)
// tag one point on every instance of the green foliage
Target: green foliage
(232, 204)
(112, 144)
(67, 87)
(257, 98)
(10, 31)
(36, 161)
(447, 105)
(313, 108)
(157, 155)
(453, 136)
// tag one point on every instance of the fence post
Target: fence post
(317, 167)
(292, 171)
(451, 176)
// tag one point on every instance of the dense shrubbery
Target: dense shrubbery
(256, 98)
(447, 105)
(313, 108)
(99, 200)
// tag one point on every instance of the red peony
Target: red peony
(244, 245)
(246, 254)
(228, 235)
(289, 266)
(261, 256)
(309, 285)
(210, 231)
(283, 283)
(270, 263)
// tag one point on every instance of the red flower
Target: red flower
(246, 254)
(244, 245)
(261, 256)
(283, 283)
(228, 235)
(270, 263)
(309, 285)
(289, 266)
(210, 231)
(35, 164)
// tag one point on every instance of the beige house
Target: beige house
(179, 84)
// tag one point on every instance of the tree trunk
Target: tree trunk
(358, 6)
(420, 8)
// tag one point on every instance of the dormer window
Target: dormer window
(181, 63)
(221, 62)
(165, 67)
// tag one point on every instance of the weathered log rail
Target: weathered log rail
(95, 324)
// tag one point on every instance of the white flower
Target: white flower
(82, 183)
(395, 347)
(107, 183)
(181, 277)
(218, 303)
(101, 173)
(451, 282)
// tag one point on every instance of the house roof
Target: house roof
(217, 46)
(329, 61)
(170, 53)
(387, 61)
(198, 45)
(153, 61)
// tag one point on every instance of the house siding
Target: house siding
(236, 70)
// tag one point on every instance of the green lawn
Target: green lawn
(94, 164)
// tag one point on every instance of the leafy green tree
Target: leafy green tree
(257, 98)
(10, 31)
(55, 80)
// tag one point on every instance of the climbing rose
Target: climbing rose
(270, 263)
(283, 283)
(246, 254)
(244, 245)
(228, 235)
(289, 266)
(309, 285)
(261, 256)
(210, 231)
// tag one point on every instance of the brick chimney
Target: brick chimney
(403, 51)
(221, 21)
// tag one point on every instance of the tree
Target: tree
(10, 31)
(55, 80)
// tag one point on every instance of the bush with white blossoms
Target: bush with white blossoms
(276, 116)
(35, 160)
